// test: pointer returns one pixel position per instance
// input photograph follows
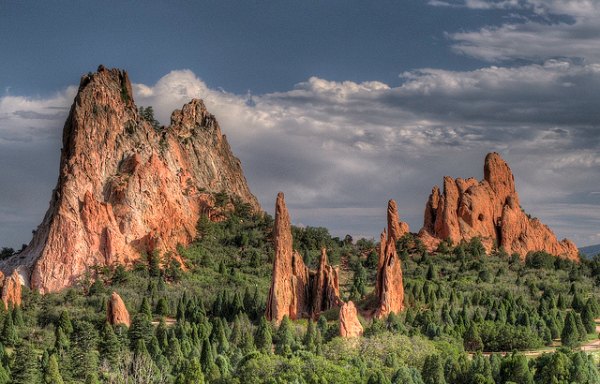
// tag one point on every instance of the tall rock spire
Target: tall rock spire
(125, 186)
(296, 291)
(389, 284)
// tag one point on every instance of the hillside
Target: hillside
(591, 250)
(206, 324)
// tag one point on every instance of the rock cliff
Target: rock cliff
(296, 291)
(350, 326)
(389, 287)
(116, 311)
(11, 290)
(126, 187)
(488, 209)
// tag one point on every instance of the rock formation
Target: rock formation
(349, 324)
(11, 290)
(296, 291)
(116, 312)
(488, 209)
(389, 287)
(126, 187)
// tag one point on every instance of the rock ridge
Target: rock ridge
(488, 209)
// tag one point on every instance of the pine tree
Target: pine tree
(472, 340)
(264, 340)
(378, 377)
(9, 335)
(83, 349)
(587, 317)
(285, 338)
(64, 322)
(52, 375)
(26, 368)
(433, 370)
(141, 329)
(310, 336)
(207, 362)
(193, 372)
(162, 307)
(145, 308)
(109, 345)
(570, 335)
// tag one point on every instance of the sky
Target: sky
(342, 105)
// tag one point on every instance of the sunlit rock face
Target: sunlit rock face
(126, 187)
(488, 209)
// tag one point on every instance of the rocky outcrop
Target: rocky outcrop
(488, 209)
(126, 187)
(389, 287)
(350, 326)
(116, 312)
(296, 291)
(11, 290)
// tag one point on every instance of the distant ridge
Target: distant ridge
(590, 251)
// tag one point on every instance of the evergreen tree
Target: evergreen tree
(263, 339)
(285, 338)
(570, 334)
(433, 370)
(310, 336)
(83, 349)
(472, 340)
(145, 308)
(378, 377)
(26, 369)
(587, 317)
(52, 374)
(9, 335)
(162, 307)
(109, 345)
(141, 329)
(193, 373)
(515, 368)
(210, 369)
(65, 323)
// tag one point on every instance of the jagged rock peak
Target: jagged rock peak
(350, 326)
(116, 311)
(488, 209)
(396, 228)
(296, 291)
(127, 186)
(389, 287)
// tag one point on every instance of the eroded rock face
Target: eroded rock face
(389, 287)
(125, 187)
(350, 326)
(488, 209)
(11, 290)
(116, 312)
(296, 291)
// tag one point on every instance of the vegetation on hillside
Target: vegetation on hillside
(470, 316)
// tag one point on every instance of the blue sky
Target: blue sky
(340, 104)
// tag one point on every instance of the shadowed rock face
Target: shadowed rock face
(349, 324)
(125, 187)
(389, 287)
(488, 209)
(296, 291)
(116, 312)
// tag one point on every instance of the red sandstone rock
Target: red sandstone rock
(279, 302)
(349, 324)
(11, 290)
(296, 291)
(116, 312)
(490, 210)
(124, 187)
(389, 284)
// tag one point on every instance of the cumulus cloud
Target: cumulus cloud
(544, 29)
(340, 150)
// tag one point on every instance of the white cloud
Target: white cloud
(340, 150)
(553, 29)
